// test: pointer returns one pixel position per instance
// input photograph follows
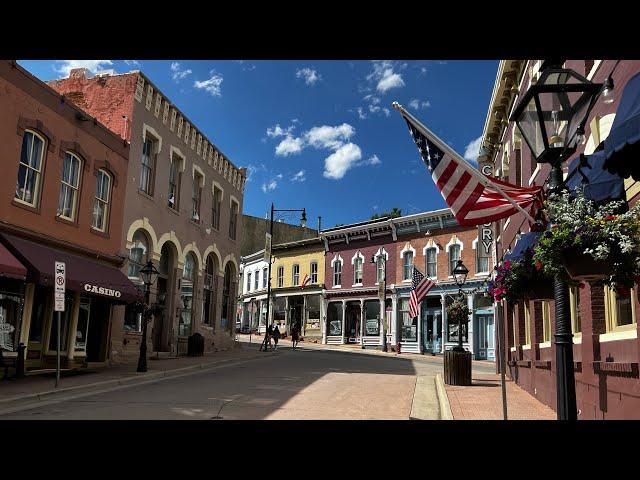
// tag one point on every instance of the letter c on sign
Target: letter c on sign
(87, 287)
(487, 170)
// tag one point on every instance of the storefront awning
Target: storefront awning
(598, 184)
(622, 146)
(82, 275)
(10, 266)
(527, 242)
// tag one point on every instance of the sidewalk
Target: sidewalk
(483, 401)
(36, 387)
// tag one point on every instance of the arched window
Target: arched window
(257, 280)
(30, 168)
(454, 256)
(248, 281)
(337, 273)
(280, 277)
(407, 266)
(208, 296)
(314, 272)
(380, 268)
(295, 279)
(188, 281)
(101, 201)
(357, 271)
(68, 200)
(138, 255)
(431, 263)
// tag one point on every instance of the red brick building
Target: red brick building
(606, 346)
(62, 200)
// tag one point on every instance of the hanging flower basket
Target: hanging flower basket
(520, 280)
(583, 267)
(458, 311)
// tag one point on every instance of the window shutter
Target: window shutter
(149, 97)
(174, 113)
(165, 113)
(139, 88)
(156, 111)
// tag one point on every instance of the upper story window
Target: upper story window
(233, 220)
(195, 197)
(454, 256)
(189, 271)
(101, 201)
(337, 273)
(138, 254)
(482, 259)
(147, 168)
(280, 277)
(431, 263)
(217, 206)
(264, 277)
(68, 199)
(30, 168)
(407, 265)
(257, 282)
(314, 272)
(249, 282)
(619, 310)
(295, 279)
(173, 197)
(357, 271)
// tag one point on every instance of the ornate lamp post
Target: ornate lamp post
(551, 117)
(460, 277)
(383, 281)
(149, 274)
(303, 223)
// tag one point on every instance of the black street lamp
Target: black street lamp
(551, 117)
(303, 223)
(460, 273)
(383, 281)
(149, 274)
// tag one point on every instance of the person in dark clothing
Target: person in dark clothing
(276, 337)
(294, 336)
(267, 338)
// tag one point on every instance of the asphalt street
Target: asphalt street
(303, 384)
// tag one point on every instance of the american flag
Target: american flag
(305, 280)
(472, 196)
(421, 286)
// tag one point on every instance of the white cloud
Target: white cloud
(340, 161)
(329, 137)
(373, 160)
(311, 77)
(269, 186)
(298, 177)
(361, 115)
(418, 104)
(134, 63)
(289, 146)
(178, 72)
(386, 77)
(472, 150)
(92, 65)
(386, 111)
(423, 70)
(279, 176)
(278, 131)
(213, 85)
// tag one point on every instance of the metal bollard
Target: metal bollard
(20, 361)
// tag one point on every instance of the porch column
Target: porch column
(73, 326)
(323, 320)
(444, 321)
(361, 321)
(383, 318)
(395, 318)
(420, 348)
(304, 315)
(344, 304)
(470, 323)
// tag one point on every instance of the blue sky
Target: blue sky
(322, 134)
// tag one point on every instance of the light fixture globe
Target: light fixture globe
(149, 273)
(460, 274)
(552, 113)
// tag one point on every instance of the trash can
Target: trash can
(195, 345)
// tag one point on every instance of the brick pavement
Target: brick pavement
(483, 401)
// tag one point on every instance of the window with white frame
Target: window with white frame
(431, 262)
(248, 281)
(482, 258)
(407, 265)
(256, 284)
(30, 168)
(454, 256)
(314, 272)
(546, 321)
(101, 201)
(265, 273)
(68, 200)
(357, 271)
(280, 277)
(337, 273)
(295, 278)
(138, 254)
(619, 309)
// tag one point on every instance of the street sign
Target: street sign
(267, 247)
(60, 285)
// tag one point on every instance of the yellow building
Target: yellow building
(295, 264)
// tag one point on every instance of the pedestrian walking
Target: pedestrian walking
(267, 338)
(276, 337)
(294, 336)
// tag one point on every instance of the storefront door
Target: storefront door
(485, 345)
(432, 330)
(352, 322)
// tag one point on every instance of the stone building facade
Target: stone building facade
(183, 205)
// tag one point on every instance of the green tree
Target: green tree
(396, 212)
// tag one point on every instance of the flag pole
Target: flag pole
(472, 171)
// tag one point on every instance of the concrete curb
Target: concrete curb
(425, 404)
(443, 400)
(142, 378)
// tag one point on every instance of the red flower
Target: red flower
(611, 217)
(538, 265)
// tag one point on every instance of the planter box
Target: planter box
(584, 267)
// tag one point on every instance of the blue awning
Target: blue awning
(621, 147)
(527, 242)
(601, 185)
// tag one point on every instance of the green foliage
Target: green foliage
(458, 310)
(396, 212)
